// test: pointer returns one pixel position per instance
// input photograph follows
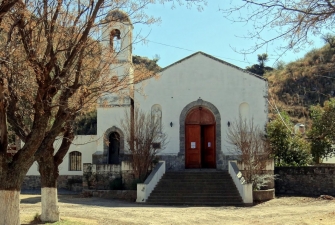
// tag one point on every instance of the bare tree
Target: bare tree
(53, 67)
(5, 6)
(249, 143)
(292, 23)
(144, 137)
(56, 68)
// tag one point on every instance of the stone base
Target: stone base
(69, 182)
(263, 195)
(177, 162)
(173, 162)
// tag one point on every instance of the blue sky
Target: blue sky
(189, 31)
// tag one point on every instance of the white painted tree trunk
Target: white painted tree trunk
(50, 212)
(9, 207)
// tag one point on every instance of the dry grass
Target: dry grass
(284, 210)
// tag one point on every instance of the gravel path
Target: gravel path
(283, 210)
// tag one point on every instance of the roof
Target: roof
(118, 16)
(216, 59)
(211, 57)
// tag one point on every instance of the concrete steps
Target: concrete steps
(196, 188)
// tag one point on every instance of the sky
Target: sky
(184, 31)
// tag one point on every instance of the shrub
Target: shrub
(133, 185)
(288, 149)
(116, 184)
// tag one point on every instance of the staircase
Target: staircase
(197, 188)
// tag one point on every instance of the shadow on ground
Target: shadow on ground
(93, 201)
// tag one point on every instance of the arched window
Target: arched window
(115, 40)
(75, 161)
(244, 111)
(114, 148)
(156, 115)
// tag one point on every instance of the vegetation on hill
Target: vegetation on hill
(303, 83)
(86, 124)
(260, 68)
(145, 67)
(305, 90)
(150, 64)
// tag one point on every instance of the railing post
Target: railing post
(144, 190)
(244, 188)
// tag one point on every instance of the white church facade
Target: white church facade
(196, 99)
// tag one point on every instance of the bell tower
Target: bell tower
(116, 34)
(117, 42)
(119, 29)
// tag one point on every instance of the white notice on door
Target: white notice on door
(192, 144)
(209, 144)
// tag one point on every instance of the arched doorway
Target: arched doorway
(114, 148)
(200, 144)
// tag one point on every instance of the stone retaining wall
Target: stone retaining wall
(306, 181)
(99, 177)
(127, 195)
(70, 182)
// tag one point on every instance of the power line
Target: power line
(171, 46)
(278, 112)
(185, 49)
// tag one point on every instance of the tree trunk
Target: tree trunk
(48, 167)
(10, 186)
(3, 120)
(49, 198)
(50, 209)
(9, 207)
(13, 170)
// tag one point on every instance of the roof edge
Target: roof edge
(209, 56)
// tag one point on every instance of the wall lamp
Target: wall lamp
(228, 124)
(171, 124)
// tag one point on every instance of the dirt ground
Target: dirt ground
(282, 210)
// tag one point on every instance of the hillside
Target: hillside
(305, 82)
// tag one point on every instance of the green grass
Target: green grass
(67, 222)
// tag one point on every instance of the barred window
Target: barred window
(156, 145)
(75, 161)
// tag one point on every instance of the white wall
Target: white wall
(107, 118)
(329, 160)
(202, 77)
(85, 144)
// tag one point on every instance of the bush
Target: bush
(322, 133)
(133, 185)
(260, 181)
(288, 149)
(72, 181)
(116, 184)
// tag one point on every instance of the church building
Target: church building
(196, 100)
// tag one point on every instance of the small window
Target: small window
(115, 40)
(156, 145)
(75, 161)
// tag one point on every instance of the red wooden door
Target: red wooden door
(208, 150)
(193, 146)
